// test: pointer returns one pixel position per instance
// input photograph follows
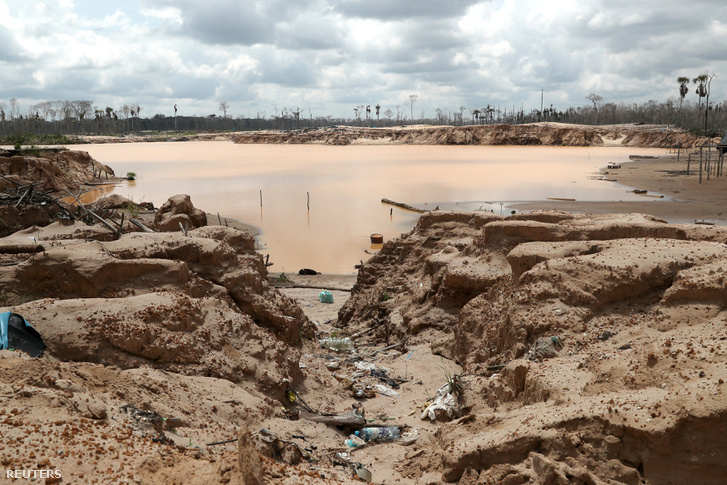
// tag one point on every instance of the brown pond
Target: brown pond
(344, 185)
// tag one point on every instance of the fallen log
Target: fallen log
(312, 287)
(21, 248)
(401, 205)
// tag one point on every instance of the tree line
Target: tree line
(58, 120)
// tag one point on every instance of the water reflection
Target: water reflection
(317, 205)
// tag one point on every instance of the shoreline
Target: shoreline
(688, 200)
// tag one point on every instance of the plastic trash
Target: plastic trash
(325, 296)
(544, 348)
(366, 366)
(334, 343)
(445, 405)
(386, 391)
(353, 441)
(408, 437)
(379, 434)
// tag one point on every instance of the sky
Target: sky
(326, 57)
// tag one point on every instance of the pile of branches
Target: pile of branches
(29, 195)
(25, 195)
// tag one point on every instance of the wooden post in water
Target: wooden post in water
(689, 161)
(700, 165)
(261, 197)
(308, 203)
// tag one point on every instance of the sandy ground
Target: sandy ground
(687, 199)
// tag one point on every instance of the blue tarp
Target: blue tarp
(16, 333)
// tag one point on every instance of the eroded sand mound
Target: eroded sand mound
(547, 134)
(51, 170)
(635, 394)
(197, 304)
(32, 183)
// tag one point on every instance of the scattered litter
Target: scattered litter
(325, 296)
(606, 335)
(380, 374)
(361, 391)
(386, 391)
(358, 469)
(287, 451)
(148, 424)
(408, 437)
(340, 344)
(333, 365)
(445, 405)
(379, 434)
(352, 418)
(353, 441)
(544, 348)
(17, 334)
(365, 366)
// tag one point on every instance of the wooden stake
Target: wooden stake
(261, 198)
(308, 194)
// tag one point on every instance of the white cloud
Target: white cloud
(336, 54)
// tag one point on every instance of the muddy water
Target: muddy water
(321, 203)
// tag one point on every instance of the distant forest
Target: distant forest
(59, 121)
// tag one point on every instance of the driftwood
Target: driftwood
(401, 205)
(141, 226)
(312, 287)
(104, 222)
(388, 347)
(21, 248)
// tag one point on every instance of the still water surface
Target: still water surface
(346, 185)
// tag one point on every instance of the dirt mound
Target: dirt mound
(178, 211)
(548, 134)
(55, 170)
(197, 304)
(28, 177)
(635, 305)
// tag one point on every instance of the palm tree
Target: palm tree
(701, 89)
(704, 86)
(683, 89)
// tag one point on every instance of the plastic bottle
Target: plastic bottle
(379, 434)
(337, 343)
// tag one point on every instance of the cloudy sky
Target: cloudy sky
(328, 56)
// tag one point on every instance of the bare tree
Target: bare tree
(223, 107)
(14, 108)
(412, 100)
(596, 100)
(389, 114)
(82, 108)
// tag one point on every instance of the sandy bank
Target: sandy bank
(687, 200)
